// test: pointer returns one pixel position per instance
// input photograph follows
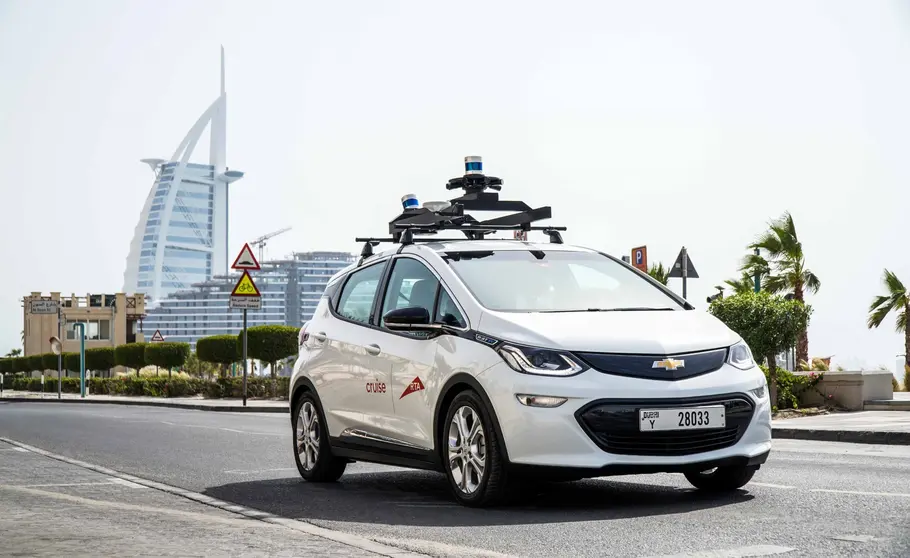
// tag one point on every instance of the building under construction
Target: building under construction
(290, 287)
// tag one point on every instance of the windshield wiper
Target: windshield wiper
(629, 309)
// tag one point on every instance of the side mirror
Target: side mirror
(412, 318)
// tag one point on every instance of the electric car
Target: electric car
(495, 361)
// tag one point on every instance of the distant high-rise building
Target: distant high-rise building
(290, 287)
(182, 235)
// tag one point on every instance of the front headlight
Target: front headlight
(543, 362)
(740, 356)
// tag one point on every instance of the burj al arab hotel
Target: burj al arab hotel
(182, 234)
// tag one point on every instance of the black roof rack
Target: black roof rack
(451, 216)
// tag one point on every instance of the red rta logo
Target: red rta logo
(416, 385)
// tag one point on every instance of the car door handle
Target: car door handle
(320, 337)
(373, 349)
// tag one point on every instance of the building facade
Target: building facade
(291, 289)
(110, 320)
(182, 234)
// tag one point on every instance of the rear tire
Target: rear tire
(472, 454)
(312, 453)
(722, 479)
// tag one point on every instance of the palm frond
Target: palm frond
(901, 326)
(769, 242)
(753, 264)
(879, 313)
(878, 301)
(776, 284)
(894, 285)
(810, 281)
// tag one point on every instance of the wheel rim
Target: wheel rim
(467, 449)
(308, 436)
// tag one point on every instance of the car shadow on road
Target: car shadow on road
(423, 499)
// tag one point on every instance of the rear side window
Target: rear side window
(357, 296)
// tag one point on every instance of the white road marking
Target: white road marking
(124, 482)
(220, 428)
(424, 505)
(256, 471)
(22, 450)
(855, 538)
(860, 492)
(771, 485)
(61, 484)
(742, 552)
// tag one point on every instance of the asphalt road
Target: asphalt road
(811, 499)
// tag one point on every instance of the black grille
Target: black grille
(687, 365)
(614, 426)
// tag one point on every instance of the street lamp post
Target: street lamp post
(81, 327)
(57, 348)
(757, 276)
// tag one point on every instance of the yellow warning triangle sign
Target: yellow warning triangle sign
(245, 286)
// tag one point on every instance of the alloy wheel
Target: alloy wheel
(467, 449)
(308, 435)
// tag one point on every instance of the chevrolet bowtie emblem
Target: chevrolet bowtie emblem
(669, 364)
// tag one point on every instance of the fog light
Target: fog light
(540, 400)
(758, 392)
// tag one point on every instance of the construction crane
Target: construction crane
(261, 241)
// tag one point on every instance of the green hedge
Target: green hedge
(167, 355)
(270, 343)
(162, 386)
(790, 386)
(131, 355)
(49, 361)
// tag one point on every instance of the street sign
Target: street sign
(683, 268)
(157, 337)
(246, 295)
(246, 259)
(677, 270)
(640, 258)
(42, 307)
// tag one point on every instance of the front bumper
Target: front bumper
(596, 430)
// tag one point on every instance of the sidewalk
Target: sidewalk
(869, 427)
(195, 403)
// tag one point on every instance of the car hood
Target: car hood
(630, 332)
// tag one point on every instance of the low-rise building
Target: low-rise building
(110, 320)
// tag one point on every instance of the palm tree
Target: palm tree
(745, 284)
(898, 301)
(660, 273)
(784, 268)
(14, 353)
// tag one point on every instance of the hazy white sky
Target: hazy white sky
(657, 123)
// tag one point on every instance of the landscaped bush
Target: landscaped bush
(167, 355)
(256, 387)
(71, 362)
(70, 385)
(100, 359)
(790, 386)
(151, 387)
(130, 355)
(218, 349)
(34, 363)
(49, 361)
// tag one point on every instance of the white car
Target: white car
(495, 361)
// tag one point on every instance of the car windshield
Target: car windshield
(555, 281)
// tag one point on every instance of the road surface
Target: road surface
(811, 499)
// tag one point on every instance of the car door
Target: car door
(409, 356)
(358, 396)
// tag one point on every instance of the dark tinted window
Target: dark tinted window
(358, 293)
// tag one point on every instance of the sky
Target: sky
(660, 123)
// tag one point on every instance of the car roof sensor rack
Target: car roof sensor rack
(434, 217)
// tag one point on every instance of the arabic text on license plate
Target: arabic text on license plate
(690, 418)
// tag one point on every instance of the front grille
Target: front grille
(614, 426)
(689, 365)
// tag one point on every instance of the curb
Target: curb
(356, 541)
(172, 404)
(849, 436)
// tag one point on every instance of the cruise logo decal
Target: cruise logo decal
(375, 387)
(416, 385)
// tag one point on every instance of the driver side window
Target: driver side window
(410, 285)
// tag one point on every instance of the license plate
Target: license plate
(689, 418)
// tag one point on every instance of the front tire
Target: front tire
(722, 479)
(312, 453)
(472, 453)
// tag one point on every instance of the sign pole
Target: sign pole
(757, 277)
(244, 357)
(59, 353)
(685, 269)
(81, 327)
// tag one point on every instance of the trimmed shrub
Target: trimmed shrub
(256, 387)
(34, 363)
(71, 362)
(167, 355)
(149, 386)
(49, 361)
(790, 386)
(6, 365)
(270, 343)
(130, 355)
(218, 349)
(100, 359)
